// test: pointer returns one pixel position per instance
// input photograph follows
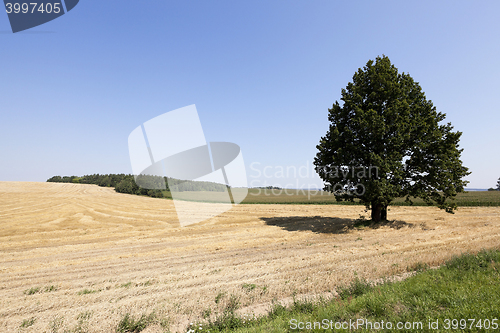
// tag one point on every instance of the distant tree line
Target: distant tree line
(149, 185)
(178, 185)
(121, 182)
(495, 189)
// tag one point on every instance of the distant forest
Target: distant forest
(127, 184)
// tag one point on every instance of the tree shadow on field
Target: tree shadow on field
(329, 225)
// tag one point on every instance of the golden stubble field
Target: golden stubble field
(96, 255)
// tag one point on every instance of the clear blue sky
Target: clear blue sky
(261, 73)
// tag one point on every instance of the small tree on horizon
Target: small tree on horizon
(385, 123)
(498, 184)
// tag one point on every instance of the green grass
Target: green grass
(126, 285)
(129, 324)
(35, 290)
(87, 291)
(32, 290)
(297, 197)
(28, 322)
(51, 288)
(466, 287)
(248, 287)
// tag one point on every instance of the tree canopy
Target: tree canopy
(386, 140)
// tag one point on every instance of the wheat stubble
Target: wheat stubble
(131, 256)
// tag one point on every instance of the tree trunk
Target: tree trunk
(379, 212)
(383, 214)
(376, 212)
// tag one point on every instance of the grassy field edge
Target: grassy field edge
(461, 296)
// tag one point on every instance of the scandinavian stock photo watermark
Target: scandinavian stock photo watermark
(304, 179)
(170, 153)
(374, 325)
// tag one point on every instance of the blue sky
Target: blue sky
(261, 73)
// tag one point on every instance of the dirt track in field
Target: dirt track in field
(107, 254)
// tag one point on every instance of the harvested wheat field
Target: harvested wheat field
(79, 257)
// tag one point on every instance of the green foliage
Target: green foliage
(206, 313)
(32, 290)
(386, 138)
(277, 310)
(248, 287)
(228, 320)
(219, 297)
(35, 290)
(65, 179)
(152, 186)
(55, 179)
(357, 288)
(127, 185)
(105, 181)
(233, 303)
(302, 306)
(474, 262)
(102, 180)
(418, 267)
(498, 184)
(129, 324)
(28, 322)
(148, 182)
(48, 289)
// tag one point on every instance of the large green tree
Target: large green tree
(386, 141)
